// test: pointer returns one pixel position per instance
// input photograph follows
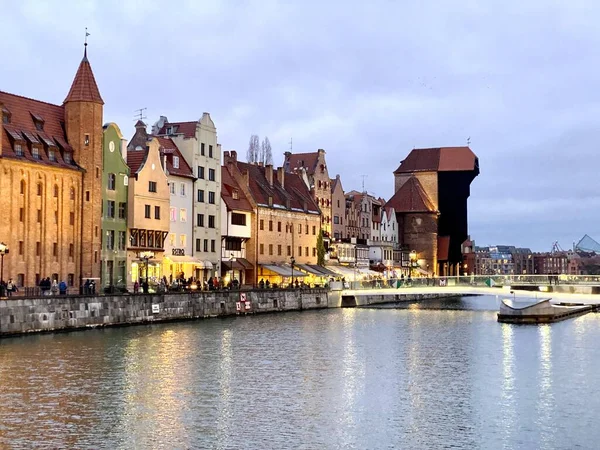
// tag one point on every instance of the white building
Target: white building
(178, 258)
(389, 225)
(197, 142)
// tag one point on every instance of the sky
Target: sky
(366, 81)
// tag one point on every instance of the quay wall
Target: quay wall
(350, 298)
(41, 314)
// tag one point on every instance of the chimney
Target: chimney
(269, 174)
(321, 151)
(233, 154)
(281, 176)
(246, 177)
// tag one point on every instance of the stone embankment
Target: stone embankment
(42, 314)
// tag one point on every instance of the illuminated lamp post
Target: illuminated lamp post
(146, 256)
(3, 251)
(293, 261)
(413, 261)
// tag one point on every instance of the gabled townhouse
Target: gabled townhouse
(338, 209)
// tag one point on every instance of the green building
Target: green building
(115, 181)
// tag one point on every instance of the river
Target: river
(436, 374)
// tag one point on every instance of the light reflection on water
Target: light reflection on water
(431, 375)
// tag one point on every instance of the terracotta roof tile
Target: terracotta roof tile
(84, 87)
(169, 149)
(307, 160)
(135, 159)
(22, 111)
(295, 189)
(188, 129)
(411, 198)
(228, 186)
(444, 159)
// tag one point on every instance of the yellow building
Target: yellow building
(148, 218)
(51, 184)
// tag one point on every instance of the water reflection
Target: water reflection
(508, 413)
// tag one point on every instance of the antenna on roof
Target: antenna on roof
(469, 140)
(139, 114)
(290, 144)
(363, 183)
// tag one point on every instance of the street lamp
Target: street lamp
(231, 260)
(3, 251)
(293, 261)
(146, 256)
(413, 260)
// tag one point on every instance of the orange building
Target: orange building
(51, 185)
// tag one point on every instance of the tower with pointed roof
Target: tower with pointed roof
(83, 108)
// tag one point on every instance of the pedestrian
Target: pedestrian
(54, 287)
(10, 286)
(261, 283)
(62, 288)
(210, 284)
(136, 287)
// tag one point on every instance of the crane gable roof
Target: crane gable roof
(442, 159)
(411, 198)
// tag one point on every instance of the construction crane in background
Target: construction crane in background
(556, 248)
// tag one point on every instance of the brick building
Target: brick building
(338, 209)
(285, 220)
(51, 184)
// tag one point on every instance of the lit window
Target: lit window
(182, 239)
(183, 215)
(173, 214)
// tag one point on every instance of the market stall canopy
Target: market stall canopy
(284, 271)
(310, 269)
(326, 272)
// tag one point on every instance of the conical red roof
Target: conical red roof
(84, 87)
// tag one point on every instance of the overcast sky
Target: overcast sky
(366, 81)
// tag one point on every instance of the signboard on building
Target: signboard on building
(178, 252)
(155, 308)
(242, 297)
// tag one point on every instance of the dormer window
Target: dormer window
(35, 152)
(18, 150)
(235, 194)
(169, 130)
(38, 121)
(176, 162)
(51, 155)
(6, 115)
(67, 157)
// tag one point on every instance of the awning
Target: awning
(344, 271)
(236, 264)
(309, 269)
(207, 265)
(184, 259)
(284, 271)
(324, 270)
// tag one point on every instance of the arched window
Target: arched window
(40, 189)
(72, 193)
(56, 190)
(23, 186)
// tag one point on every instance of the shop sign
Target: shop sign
(178, 252)
(155, 308)
(242, 297)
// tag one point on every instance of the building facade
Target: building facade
(51, 185)
(198, 144)
(149, 201)
(115, 186)
(338, 209)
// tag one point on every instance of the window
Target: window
(122, 210)
(202, 149)
(183, 215)
(125, 180)
(271, 249)
(306, 251)
(336, 220)
(71, 218)
(110, 240)
(51, 155)
(86, 140)
(314, 252)
(198, 245)
(87, 196)
(176, 162)
(212, 245)
(38, 248)
(261, 225)
(270, 225)
(151, 186)
(211, 221)
(67, 157)
(238, 219)
(147, 211)
(279, 250)
(39, 216)
(35, 152)
(200, 220)
(20, 247)
(172, 239)
(262, 249)
(172, 188)
(182, 189)
(299, 228)
(338, 203)
(306, 230)
(182, 240)
(201, 172)
(211, 197)
(110, 209)
(55, 190)
(314, 230)
(201, 195)
(112, 181)
(22, 215)
(122, 238)
(211, 174)
(72, 193)
(40, 189)
(205, 245)
(210, 153)
(18, 150)
(71, 279)
(173, 214)
(279, 227)
(235, 194)
(157, 212)
(289, 250)
(299, 251)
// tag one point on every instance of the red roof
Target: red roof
(228, 186)
(307, 160)
(411, 198)
(135, 159)
(443, 247)
(84, 87)
(294, 189)
(168, 148)
(188, 129)
(22, 111)
(444, 159)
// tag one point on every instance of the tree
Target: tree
(265, 151)
(253, 149)
(320, 249)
